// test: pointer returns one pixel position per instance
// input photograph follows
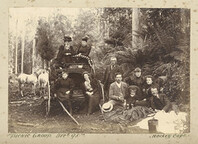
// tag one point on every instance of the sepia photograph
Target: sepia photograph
(108, 70)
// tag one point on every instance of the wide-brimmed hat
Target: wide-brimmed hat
(133, 87)
(107, 107)
(67, 38)
(137, 69)
(85, 72)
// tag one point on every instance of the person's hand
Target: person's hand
(121, 99)
(163, 111)
(143, 90)
(67, 92)
(67, 53)
(127, 106)
(55, 95)
(89, 93)
(157, 110)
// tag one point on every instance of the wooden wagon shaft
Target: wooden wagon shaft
(68, 112)
(49, 98)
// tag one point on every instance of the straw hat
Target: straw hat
(107, 107)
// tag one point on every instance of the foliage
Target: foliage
(163, 46)
(120, 25)
(50, 35)
(164, 49)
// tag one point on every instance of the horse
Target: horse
(43, 81)
(27, 79)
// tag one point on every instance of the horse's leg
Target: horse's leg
(40, 90)
(20, 89)
(34, 88)
(44, 89)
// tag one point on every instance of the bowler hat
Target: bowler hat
(85, 38)
(67, 38)
(107, 107)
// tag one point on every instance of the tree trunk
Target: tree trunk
(135, 26)
(22, 50)
(33, 54)
(16, 49)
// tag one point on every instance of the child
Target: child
(134, 95)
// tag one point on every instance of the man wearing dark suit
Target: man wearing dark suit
(118, 91)
(159, 101)
(109, 75)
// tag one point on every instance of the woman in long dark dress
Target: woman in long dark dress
(91, 91)
(64, 89)
(66, 51)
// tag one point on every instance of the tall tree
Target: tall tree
(22, 50)
(16, 48)
(33, 54)
(135, 26)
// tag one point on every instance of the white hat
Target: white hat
(107, 107)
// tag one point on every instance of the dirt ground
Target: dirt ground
(27, 115)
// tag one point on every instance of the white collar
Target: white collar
(118, 84)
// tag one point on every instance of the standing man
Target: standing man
(118, 91)
(109, 75)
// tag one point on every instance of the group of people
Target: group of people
(63, 84)
(64, 87)
(66, 54)
(133, 90)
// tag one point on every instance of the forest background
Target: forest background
(156, 40)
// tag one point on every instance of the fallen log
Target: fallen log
(26, 124)
(17, 102)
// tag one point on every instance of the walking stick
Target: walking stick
(102, 96)
(68, 112)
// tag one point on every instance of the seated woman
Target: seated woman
(90, 87)
(64, 56)
(63, 88)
